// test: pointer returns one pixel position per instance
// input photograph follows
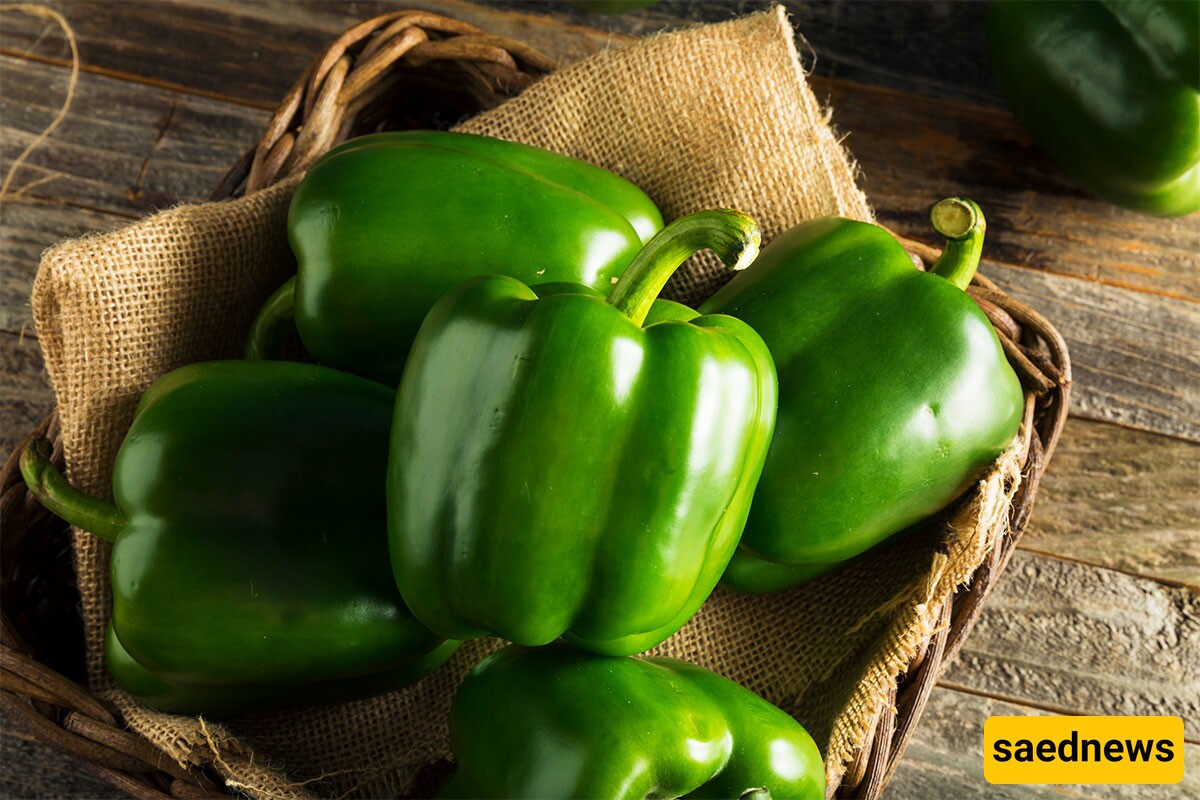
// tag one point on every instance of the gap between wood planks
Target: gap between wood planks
(135, 78)
(1085, 562)
(1116, 284)
(36, 199)
(1030, 704)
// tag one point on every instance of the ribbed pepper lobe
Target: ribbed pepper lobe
(894, 394)
(556, 469)
(384, 225)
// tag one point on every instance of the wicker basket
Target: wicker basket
(404, 70)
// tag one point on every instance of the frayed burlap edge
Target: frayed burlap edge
(198, 742)
(972, 532)
(689, 148)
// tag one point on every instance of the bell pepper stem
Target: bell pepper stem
(272, 323)
(733, 235)
(62, 499)
(961, 222)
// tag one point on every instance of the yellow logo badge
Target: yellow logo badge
(1083, 750)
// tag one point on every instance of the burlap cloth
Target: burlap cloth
(714, 116)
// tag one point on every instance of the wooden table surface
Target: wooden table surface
(1099, 612)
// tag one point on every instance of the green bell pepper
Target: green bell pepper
(248, 698)
(1110, 89)
(249, 564)
(556, 468)
(384, 225)
(894, 390)
(554, 722)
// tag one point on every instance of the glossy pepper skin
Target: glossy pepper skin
(894, 391)
(241, 699)
(384, 225)
(557, 468)
(558, 723)
(249, 564)
(1110, 89)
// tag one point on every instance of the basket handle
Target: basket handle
(372, 67)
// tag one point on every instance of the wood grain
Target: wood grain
(1135, 356)
(25, 395)
(912, 149)
(1085, 640)
(209, 50)
(124, 151)
(248, 53)
(33, 771)
(941, 53)
(945, 758)
(1123, 499)
(27, 227)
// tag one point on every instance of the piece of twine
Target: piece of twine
(50, 14)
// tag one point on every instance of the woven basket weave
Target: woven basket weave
(407, 70)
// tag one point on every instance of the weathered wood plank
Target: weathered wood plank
(28, 226)
(123, 148)
(1135, 356)
(250, 53)
(1137, 251)
(564, 43)
(1065, 635)
(945, 758)
(208, 51)
(942, 53)
(1121, 498)
(34, 770)
(25, 394)
(911, 149)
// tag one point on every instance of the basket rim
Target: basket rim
(320, 110)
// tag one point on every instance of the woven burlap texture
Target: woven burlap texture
(716, 116)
